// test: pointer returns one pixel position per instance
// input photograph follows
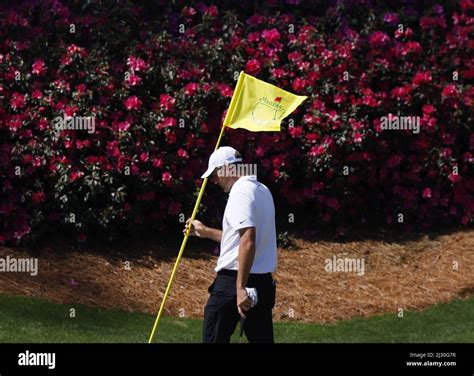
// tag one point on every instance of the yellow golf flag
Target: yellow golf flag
(259, 106)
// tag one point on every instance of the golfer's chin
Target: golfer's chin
(225, 187)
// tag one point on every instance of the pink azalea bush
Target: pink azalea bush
(157, 79)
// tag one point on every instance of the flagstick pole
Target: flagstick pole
(183, 245)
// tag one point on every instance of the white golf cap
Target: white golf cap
(220, 157)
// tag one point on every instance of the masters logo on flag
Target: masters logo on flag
(259, 106)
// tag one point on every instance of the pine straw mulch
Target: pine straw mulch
(403, 274)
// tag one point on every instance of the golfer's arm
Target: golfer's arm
(246, 255)
(213, 234)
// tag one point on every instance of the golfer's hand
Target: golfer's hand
(243, 302)
(197, 228)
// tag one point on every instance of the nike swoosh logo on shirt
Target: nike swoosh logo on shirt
(242, 222)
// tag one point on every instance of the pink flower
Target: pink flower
(271, 35)
(422, 78)
(167, 102)
(133, 80)
(83, 144)
(295, 131)
(170, 137)
(191, 88)
(136, 64)
(391, 18)
(36, 161)
(295, 56)
(189, 11)
(368, 98)
(144, 157)
(256, 19)
(328, 140)
(73, 49)
(449, 91)
(378, 38)
(333, 203)
(411, 47)
(71, 110)
(312, 137)
(377, 125)
(338, 98)
(166, 123)
(313, 76)
(212, 11)
(427, 193)
(428, 109)
(37, 197)
(317, 150)
(466, 5)
(22, 231)
(132, 103)
(401, 92)
(299, 84)
(17, 101)
(157, 162)
(253, 66)
(113, 149)
(253, 37)
(225, 90)
(357, 137)
(183, 154)
(427, 22)
(123, 126)
(62, 85)
(408, 32)
(166, 178)
(65, 60)
(38, 67)
(81, 88)
(73, 176)
(278, 72)
(36, 94)
(454, 177)
(369, 101)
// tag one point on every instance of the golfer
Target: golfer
(248, 254)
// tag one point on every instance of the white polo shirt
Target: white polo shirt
(250, 204)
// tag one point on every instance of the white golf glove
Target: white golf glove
(252, 294)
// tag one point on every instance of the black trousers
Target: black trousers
(221, 315)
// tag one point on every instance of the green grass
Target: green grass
(24, 319)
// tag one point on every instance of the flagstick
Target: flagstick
(183, 245)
